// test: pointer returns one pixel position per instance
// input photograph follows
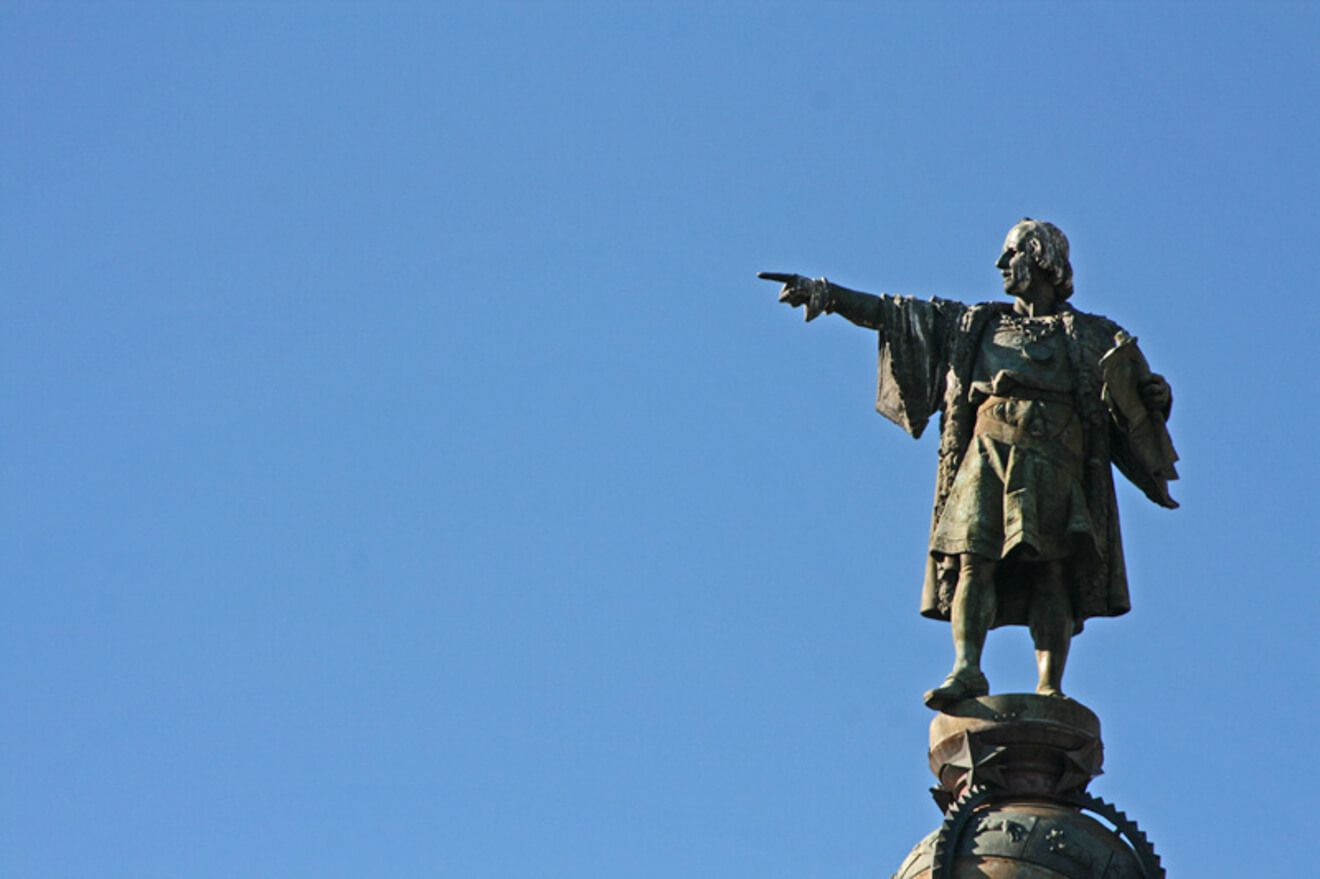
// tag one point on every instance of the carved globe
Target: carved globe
(1027, 840)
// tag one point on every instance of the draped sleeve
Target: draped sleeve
(914, 358)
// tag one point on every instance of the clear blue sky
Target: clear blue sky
(403, 473)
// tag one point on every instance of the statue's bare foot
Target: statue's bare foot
(1053, 692)
(966, 684)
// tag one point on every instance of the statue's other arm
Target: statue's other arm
(822, 297)
(1139, 402)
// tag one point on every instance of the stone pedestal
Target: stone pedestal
(1025, 745)
(1012, 772)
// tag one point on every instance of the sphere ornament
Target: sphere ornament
(1013, 771)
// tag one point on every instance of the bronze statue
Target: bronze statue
(1035, 400)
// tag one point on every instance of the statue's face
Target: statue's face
(1016, 263)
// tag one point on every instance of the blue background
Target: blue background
(403, 473)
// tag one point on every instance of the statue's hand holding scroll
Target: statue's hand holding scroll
(814, 293)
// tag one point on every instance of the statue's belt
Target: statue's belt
(1046, 424)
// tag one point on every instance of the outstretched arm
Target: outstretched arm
(820, 296)
(914, 341)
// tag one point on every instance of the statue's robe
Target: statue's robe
(928, 350)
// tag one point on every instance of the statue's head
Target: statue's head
(1043, 247)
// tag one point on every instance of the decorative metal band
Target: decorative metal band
(1128, 829)
(952, 828)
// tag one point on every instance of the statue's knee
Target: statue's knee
(975, 568)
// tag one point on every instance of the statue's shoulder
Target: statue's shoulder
(978, 315)
(930, 312)
(1091, 326)
(1092, 336)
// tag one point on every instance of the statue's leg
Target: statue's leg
(1051, 625)
(973, 610)
(971, 615)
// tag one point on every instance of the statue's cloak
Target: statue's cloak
(927, 353)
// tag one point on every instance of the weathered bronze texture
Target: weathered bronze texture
(1036, 400)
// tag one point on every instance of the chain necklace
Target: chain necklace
(1033, 329)
(1034, 332)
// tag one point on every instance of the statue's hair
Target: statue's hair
(1049, 248)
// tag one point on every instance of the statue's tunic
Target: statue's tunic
(1019, 488)
(1026, 443)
